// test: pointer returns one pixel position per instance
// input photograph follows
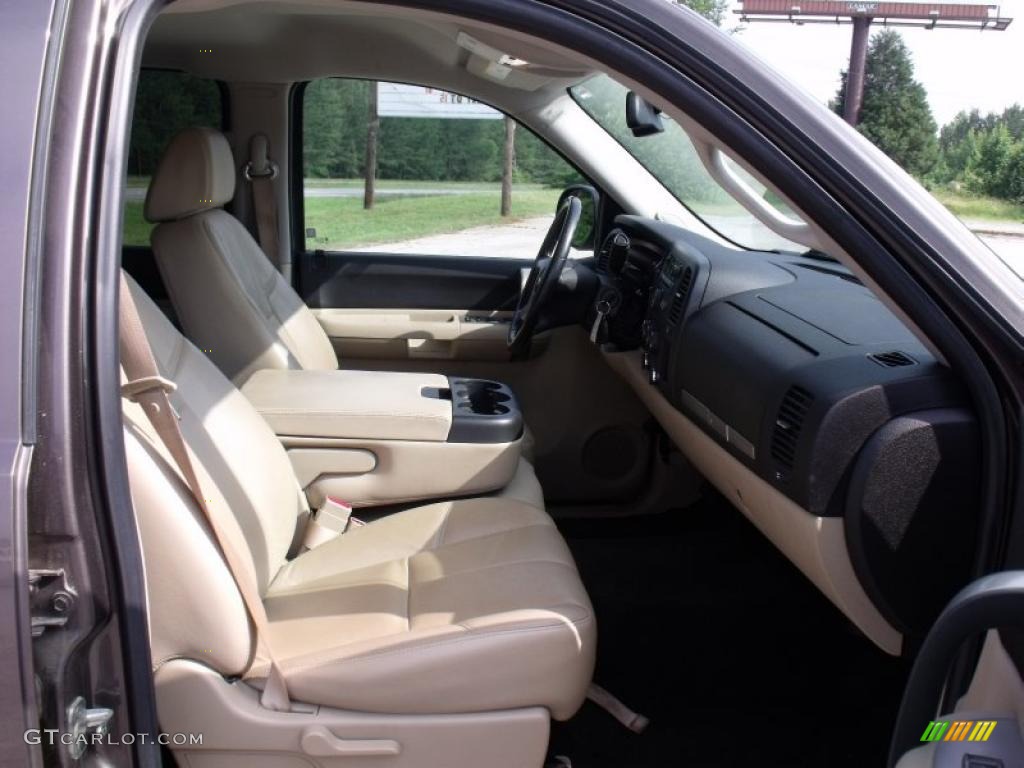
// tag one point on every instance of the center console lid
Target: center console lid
(364, 404)
(385, 406)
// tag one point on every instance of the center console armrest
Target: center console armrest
(377, 437)
(352, 404)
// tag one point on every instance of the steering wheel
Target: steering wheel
(547, 268)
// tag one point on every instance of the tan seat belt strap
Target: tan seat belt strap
(150, 390)
(260, 172)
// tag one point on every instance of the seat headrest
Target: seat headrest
(195, 174)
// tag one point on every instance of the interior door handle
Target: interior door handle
(317, 741)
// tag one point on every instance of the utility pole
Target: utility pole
(862, 15)
(508, 166)
(372, 131)
(855, 74)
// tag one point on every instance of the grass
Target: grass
(136, 228)
(482, 186)
(341, 222)
(978, 207)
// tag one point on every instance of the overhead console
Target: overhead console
(809, 382)
(373, 437)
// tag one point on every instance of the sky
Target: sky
(960, 69)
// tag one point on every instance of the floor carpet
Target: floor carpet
(705, 628)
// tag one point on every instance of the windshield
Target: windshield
(673, 161)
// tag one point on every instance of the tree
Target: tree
(960, 127)
(1013, 119)
(714, 10)
(988, 173)
(1013, 174)
(166, 103)
(895, 114)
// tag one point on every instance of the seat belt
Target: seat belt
(329, 522)
(150, 390)
(260, 172)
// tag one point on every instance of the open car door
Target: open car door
(983, 730)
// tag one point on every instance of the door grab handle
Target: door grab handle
(317, 741)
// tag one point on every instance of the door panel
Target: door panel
(435, 334)
(387, 281)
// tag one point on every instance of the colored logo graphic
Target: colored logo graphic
(959, 730)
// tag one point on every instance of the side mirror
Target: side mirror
(642, 117)
(584, 239)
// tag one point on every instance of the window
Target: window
(437, 188)
(165, 103)
(672, 159)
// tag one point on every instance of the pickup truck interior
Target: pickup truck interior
(671, 442)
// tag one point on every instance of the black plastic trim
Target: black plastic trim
(483, 412)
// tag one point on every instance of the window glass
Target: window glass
(165, 103)
(440, 161)
(672, 159)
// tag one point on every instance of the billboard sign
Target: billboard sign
(399, 100)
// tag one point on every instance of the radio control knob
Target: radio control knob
(652, 376)
(645, 361)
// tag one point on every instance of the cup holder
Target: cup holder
(489, 409)
(483, 398)
(484, 412)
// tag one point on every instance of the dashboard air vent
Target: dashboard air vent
(893, 359)
(788, 423)
(679, 299)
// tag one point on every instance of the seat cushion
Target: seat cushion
(462, 606)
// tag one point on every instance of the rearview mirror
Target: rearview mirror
(583, 240)
(642, 117)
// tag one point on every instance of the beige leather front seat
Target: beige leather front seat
(444, 635)
(230, 300)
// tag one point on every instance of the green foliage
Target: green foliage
(136, 230)
(166, 103)
(334, 127)
(894, 113)
(335, 113)
(969, 206)
(983, 154)
(986, 173)
(714, 10)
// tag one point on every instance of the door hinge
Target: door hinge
(51, 599)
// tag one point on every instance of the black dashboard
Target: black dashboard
(811, 382)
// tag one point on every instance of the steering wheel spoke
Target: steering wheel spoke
(547, 267)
